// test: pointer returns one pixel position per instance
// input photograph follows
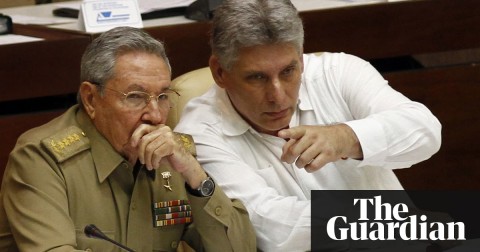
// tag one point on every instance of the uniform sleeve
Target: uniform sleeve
(223, 224)
(35, 202)
(394, 131)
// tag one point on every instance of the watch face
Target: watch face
(207, 188)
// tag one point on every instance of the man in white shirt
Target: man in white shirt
(279, 123)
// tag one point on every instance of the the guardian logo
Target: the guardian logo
(390, 222)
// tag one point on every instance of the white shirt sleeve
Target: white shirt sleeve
(394, 131)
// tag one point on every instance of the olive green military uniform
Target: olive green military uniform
(64, 175)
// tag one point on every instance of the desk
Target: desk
(36, 71)
(43, 68)
(371, 31)
(44, 11)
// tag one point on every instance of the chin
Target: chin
(273, 130)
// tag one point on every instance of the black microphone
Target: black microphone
(93, 232)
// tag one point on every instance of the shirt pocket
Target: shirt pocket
(279, 178)
(167, 238)
(270, 175)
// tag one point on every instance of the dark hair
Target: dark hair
(244, 23)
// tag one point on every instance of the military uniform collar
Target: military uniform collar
(105, 157)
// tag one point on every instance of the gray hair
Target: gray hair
(245, 23)
(99, 59)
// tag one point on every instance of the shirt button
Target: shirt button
(218, 211)
(174, 244)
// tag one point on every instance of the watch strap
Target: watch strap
(197, 192)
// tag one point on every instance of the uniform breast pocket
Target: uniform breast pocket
(167, 238)
(93, 244)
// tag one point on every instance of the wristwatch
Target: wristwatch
(206, 188)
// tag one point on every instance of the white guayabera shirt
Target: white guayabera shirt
(394, 132)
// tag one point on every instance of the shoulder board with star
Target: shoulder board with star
(187, 142)
(66, 143)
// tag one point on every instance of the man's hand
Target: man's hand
(312, 147)
(157, 143)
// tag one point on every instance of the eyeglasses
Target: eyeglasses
(140, 99)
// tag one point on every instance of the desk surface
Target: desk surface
(44, 12)
(370, 31)
(43, 68)
(367, 28)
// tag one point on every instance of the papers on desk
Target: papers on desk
(308, 5)
(15, 39)
(145, 6)
(153, 5)
(364, 1)
(33, 20)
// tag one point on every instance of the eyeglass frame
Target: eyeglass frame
(148, 96)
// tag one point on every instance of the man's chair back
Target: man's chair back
(189, 85)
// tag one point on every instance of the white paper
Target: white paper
(15, 39)
(101, 15)
(365, 1)
(152, 5)
(33, 20)
(71, 4)
(144, 6)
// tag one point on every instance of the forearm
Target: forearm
(353, 148)
(398, 138)
(194, 175)
(393, 131)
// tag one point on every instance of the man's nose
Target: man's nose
(276, 91)
(154, 113)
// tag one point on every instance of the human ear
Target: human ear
(88, 95)
(217, 71)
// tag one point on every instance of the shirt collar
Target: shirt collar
(105, 157)
(232, 123)
(303, 98)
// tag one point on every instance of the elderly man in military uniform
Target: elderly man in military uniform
(111, 161)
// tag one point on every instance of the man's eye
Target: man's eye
(256, 77)
(288, 71)
(135, 96)
(163, 97)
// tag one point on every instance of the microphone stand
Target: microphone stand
(93, 232)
